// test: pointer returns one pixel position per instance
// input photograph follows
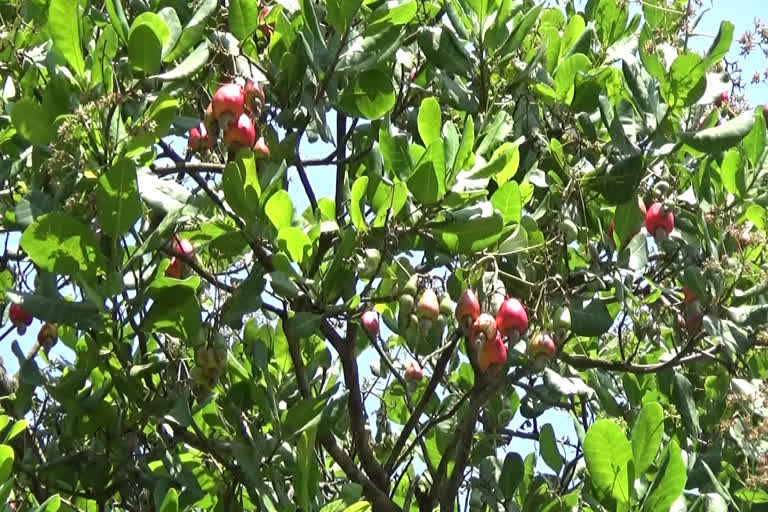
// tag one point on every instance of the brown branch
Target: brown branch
(305, 183)
(413, 421)
(681, 358)
(182, 166)
(341, 126)
(356, 410)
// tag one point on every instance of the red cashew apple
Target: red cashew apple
(254, 97)
(467, 310)
(542, 347)
(511, 319)
(658, 220)
(19, 318)
(428, 309)
(228, 104)
(47, 336)
(688, 295)
(198, 139)
(371, 323)
(414, 373)
(492, 352)
(181, 247)
(241, 133)
(260, 148)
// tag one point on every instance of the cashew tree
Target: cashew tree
(401, 255)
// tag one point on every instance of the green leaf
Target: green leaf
(521, 29)
(429, 121)
(720, 45)
(686, 81)
(308, 474)
(752, 495)
(243, 18)
(638, 252)
(146, 40)
(549, 451)
(393, 12)
(304, 325)
(465, 146)
(370, 96)
(342, 12)
(194, 29)
(61, 244)
(512, 473)
(682, 397)
(754, 142)
(295, 242)
(565, 75)
(117, 17)
(732, 173)
(360, 506)
(310, 19)
(171, 19)
(64, 27)
(359, 188)
(103, 55)
(52, 504)
(609, 460)
(619, 185)
(427, 183)
(170, 502)
(279, 209)
(669, 482)
(189, 66)
(6, 462)
(471, 229)
(117, 197)
(508, 202)
(17, 428)
(720, 138)
(304, 415)
(646, 436)
(590, 318)
(175, 309)
(32, 121)
(628, 220)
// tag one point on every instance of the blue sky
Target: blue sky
(741, 12)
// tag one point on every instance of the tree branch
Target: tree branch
(356, 410)
(586, 363)
(413, 421)
(182, 166)
(341, 126)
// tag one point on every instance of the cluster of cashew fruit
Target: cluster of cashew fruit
(370, 321)
(232, 113)
(46, 337)
(210, 364)
(488, 336)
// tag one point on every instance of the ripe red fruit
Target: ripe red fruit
(174, 269)
(198, 138)
(180, 247)
(371, 323)
(511, 319)
(47, 336)
(254, 97)
(492, 352)
(688, 295)
(241, 133)
(467, 310)
(20, 318)
(260, 149)
(542, 347)
(228, 103)
(414, 373)
(656, 219)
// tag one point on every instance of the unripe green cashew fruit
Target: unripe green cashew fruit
(411, 286)
(368, 263)
(562, 318)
